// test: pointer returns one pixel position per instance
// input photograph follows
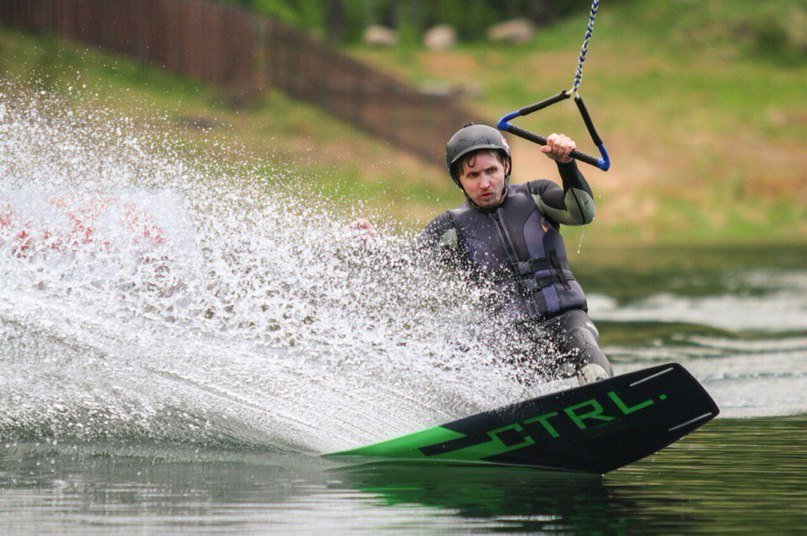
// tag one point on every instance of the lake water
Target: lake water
(733, 476)
(181, 343)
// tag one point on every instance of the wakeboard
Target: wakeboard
(594, 428)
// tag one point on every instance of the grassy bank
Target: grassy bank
(701, 105)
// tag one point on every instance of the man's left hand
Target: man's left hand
(558, 147)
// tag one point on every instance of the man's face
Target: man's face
(482, 178)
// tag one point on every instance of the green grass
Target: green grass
(701, 105)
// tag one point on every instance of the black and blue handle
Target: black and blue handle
(504, 124)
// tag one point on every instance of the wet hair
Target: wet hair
(470, 158)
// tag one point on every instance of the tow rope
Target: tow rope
(504, 123)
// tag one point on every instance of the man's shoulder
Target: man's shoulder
(440, 231)
(440, 221)
(446, 219)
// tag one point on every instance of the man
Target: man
(508, 237)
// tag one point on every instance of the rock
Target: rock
(443, 89)
(380, 36)
(440, 37)
(513, 31)
(438, 89)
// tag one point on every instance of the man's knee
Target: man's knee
(581, 333)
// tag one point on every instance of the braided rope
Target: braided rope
(578, 76)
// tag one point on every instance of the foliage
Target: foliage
(345, 20)
(774, 29)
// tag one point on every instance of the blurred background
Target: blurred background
(700, 104)
(186, 324)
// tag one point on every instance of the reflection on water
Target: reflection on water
(509, 497)
(735, 475)
(730, 476)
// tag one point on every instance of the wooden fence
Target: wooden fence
(244, 53)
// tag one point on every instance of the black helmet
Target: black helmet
(473, 137)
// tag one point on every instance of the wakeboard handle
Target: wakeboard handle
(504, 124)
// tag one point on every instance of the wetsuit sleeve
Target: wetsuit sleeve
(439, 234)
(571, 205)
(439, 242)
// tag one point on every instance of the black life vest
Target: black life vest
(521, 251)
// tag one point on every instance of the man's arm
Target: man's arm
(439, 242)
(571, 205)
(574, 204)
(439, 234)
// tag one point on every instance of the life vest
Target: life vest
(521, 252)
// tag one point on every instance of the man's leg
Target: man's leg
(576, 336)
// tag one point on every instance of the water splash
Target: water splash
(152, 295)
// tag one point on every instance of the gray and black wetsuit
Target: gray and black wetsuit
(517, 247)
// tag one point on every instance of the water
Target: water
(180, 342)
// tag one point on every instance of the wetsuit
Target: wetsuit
(517, 248)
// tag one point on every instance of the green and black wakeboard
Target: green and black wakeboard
(593, 428)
